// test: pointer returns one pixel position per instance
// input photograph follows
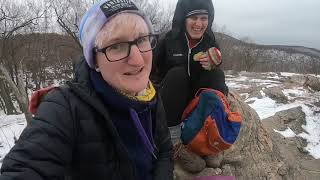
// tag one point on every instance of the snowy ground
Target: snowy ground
(10, 129)
(267, 107)
(12, 126)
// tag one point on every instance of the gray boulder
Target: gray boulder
(312, 82)
(276, 94)
(293, 118)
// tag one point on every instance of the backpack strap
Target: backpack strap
(39, 94)
(203, 89)
(37, 97)
(194, 103)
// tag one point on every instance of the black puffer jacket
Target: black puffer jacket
(173, 50)
(72, 137)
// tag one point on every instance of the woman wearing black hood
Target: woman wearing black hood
(177, 70)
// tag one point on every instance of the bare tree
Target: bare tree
(226, 46)
(248, 54)
(160, 15)
(69, 14)
(14, 18)
(221, 29)
(315, 65)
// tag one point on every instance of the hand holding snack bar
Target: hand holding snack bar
(209, 59)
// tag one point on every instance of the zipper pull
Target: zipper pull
(189, 53)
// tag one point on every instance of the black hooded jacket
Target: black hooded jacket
(173, 50)
(185, 6)
(72, 137)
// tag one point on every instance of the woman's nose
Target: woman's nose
(135, 57)
(198, 22)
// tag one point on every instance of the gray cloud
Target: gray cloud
(283, 22)
(286, 22)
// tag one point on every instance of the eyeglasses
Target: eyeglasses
(120, 51)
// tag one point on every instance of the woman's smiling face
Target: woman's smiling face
(130, 75)
(196, 25)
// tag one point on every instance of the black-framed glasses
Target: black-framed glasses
(120, 51)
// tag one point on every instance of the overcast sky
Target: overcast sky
(277, 22)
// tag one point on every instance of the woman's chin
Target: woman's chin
(136, 87)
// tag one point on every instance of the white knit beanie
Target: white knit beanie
(95, 18)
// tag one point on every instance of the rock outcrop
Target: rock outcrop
(293, 118)
(312, 82)
(260, 152)
(253, 156)
(276, 94)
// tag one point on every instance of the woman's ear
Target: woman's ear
(97, 68)
(94, 53)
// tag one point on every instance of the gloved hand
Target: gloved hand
(214, 55)
(209, 59)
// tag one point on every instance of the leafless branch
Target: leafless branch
(69, 31)
(24, 24)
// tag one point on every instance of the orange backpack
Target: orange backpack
(209, 126)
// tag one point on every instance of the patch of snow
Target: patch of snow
(11, 127)
(298, 96)
(263, 81)
(245, 95)
(272, 75)
(272, 85)
(313, 131)
(9, 119)
(296, 92)
(286, 133)
(238, 79)
(265, 107)
(288, 74)
(236, 85)
(230, 76)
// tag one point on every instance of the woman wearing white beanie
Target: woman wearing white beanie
(109, 122)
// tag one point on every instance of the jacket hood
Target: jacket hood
(183, 7)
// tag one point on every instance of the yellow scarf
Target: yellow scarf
(145, 95)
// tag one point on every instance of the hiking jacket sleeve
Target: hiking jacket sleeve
(44, 149)
(163, 169)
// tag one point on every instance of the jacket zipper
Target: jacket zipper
(189, 52)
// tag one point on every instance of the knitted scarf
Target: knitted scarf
(132, 117)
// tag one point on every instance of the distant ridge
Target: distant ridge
(313, 52)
